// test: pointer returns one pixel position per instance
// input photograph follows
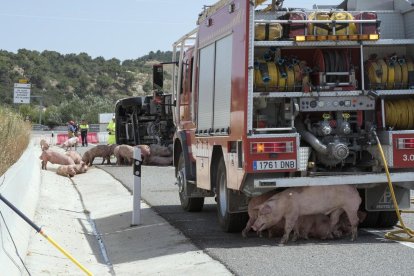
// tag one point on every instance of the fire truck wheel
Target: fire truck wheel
(387, 219)
(189, 204)
(229, 222)
(371, 220)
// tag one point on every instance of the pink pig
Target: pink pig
(75, 156)
(54, 158)
(292, 203)
(66, 170)
(253, 211)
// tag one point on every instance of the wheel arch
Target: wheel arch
(180, 146)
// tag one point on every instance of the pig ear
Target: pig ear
(265, 209)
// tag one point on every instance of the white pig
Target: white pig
(71, 142)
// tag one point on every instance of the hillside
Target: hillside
(74, 86)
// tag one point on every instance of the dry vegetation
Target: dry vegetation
(14, 138)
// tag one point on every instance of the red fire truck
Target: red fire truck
(268, 97)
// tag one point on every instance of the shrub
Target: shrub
(14, 137)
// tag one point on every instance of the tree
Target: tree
(103, 82)
(53, 117)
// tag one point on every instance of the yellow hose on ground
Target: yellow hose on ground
(64, 252)
(394, 235)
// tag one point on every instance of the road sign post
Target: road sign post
(136, 198)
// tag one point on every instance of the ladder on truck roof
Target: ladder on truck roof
(185, 42)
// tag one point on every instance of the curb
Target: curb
(20, 185)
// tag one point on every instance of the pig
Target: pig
(66, 170)
(44, 145)
(54, 158)
(80, 168)
(71, 142)
(145, 152)
(295, 202)
(159, 160)
(315, 226)
(124, 154)
(158, 150)
(344, 226)
(104, 151)
(75, 156)
(253, 212)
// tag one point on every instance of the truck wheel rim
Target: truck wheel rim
(223, 195)
(181, 180)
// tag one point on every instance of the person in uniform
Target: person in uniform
(111, 131)
(71, 129)
(84, 128)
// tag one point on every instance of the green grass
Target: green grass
(14, 137)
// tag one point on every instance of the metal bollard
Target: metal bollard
(136, 197)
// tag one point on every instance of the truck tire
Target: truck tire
(189, 204)
(229, 222)
(371, 220)
(387, 219)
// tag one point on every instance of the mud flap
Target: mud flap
(379, 198)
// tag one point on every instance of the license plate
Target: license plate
(270, 165)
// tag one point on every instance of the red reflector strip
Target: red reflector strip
(272, 147)
(405, 143)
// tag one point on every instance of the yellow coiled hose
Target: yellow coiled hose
(399, 114)
(394, 235)
(389, 73)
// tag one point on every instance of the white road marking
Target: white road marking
(381, 233)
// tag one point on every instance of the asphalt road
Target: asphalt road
(371, 254)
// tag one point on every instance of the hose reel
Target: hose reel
(333, 70)
(392, 72)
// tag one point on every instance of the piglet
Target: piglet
(54, 158)
(66, 170)
(314, 226)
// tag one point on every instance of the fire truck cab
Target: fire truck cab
(269, 97)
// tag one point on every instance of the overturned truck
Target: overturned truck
(145, 120)
(268, 97)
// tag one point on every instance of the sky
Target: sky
(122, 29)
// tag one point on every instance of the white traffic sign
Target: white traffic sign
(22, 85)
(22, 93)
